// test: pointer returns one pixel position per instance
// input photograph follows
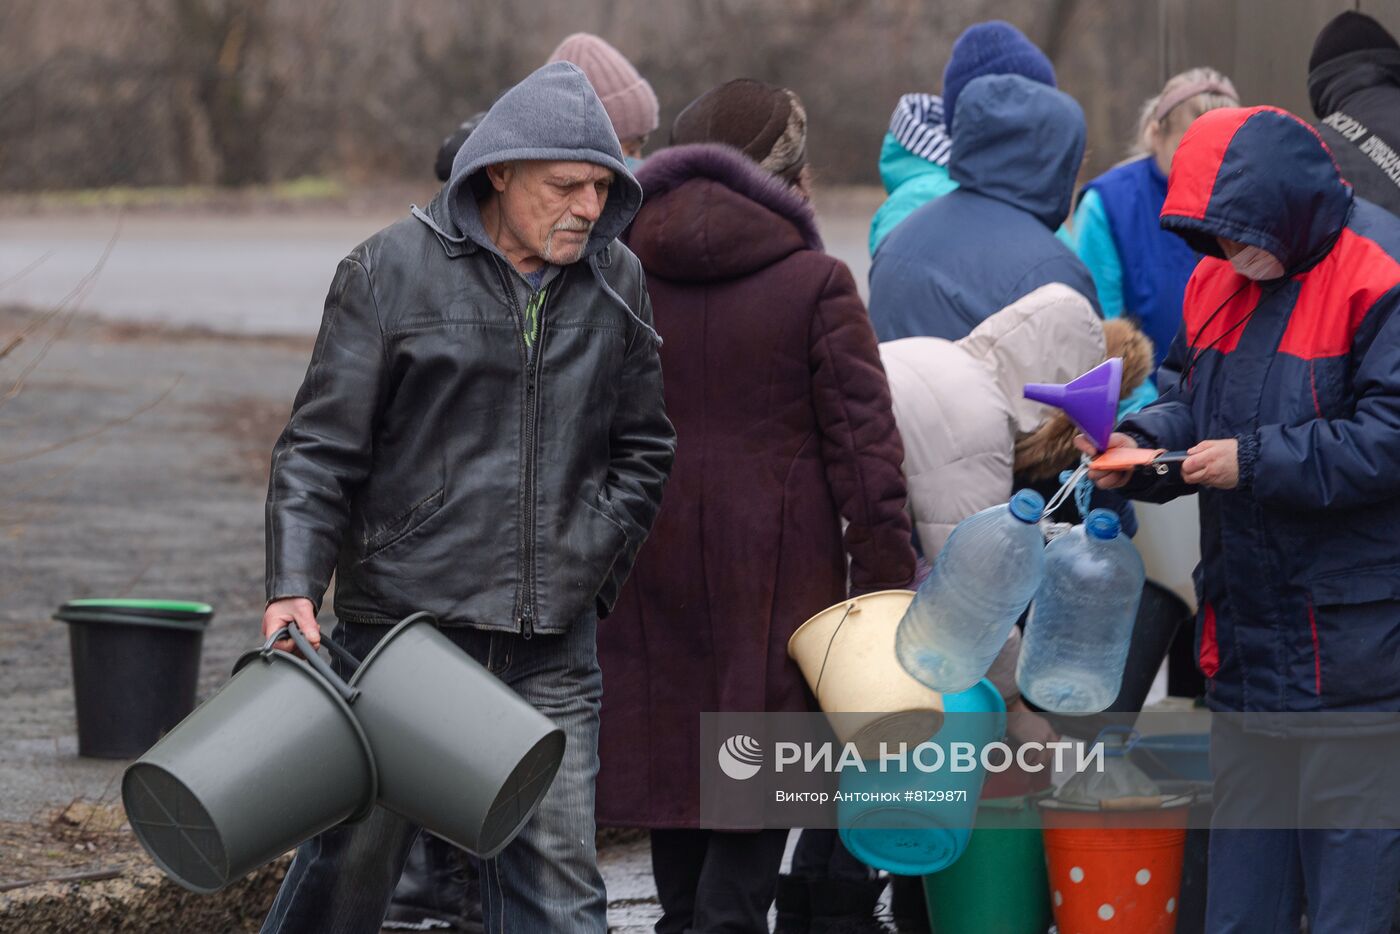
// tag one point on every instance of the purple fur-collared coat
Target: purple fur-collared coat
(784, 428)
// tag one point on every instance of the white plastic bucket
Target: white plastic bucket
(846, 653)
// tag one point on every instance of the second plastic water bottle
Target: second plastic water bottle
(1077, 638)
(981, 583)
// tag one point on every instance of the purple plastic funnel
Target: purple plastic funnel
(1090, 401)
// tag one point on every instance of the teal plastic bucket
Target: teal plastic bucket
(912, 822)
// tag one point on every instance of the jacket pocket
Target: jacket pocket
(612, 539)
(576, 567)
(1359, 585)
(1330, 389)
(1354, 631)
(400, 526)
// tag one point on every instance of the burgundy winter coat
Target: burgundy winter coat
(784, 428)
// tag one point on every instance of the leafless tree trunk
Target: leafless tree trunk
(218, 48)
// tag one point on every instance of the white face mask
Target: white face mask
(1254, 263)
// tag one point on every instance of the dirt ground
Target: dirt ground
(132, 463)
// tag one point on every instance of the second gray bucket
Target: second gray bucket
(457, 750)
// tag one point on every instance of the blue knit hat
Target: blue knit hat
(991, 48)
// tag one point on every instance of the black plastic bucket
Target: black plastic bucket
(1160, 614)
(135, 670)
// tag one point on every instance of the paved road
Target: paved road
(245, 274)
(261, 273)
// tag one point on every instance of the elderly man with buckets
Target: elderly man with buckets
(1289, 405)
(481, 435)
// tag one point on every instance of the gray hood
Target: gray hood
(553, 114)
(1020, 142)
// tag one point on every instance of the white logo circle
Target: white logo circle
(740, 757)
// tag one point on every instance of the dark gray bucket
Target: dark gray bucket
(272, 759)
(457, 750)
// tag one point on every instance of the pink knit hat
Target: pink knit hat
(629, 100)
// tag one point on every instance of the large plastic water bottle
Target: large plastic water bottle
(980, 585)
(1076, 641)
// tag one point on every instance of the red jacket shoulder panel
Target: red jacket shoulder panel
(1335, 296)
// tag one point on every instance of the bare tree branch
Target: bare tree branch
(74, 298)
(93, 432)
(95, 875)
(6, 283)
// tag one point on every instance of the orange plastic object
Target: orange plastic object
(1115, 871)
(1125, 458)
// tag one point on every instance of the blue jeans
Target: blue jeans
(546, 879)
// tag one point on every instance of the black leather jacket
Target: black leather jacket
(432, 468)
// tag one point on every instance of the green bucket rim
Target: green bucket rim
(94, 618)
(185, 607)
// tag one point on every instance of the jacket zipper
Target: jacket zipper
(532, 415)
(525, 598)
(532, 404)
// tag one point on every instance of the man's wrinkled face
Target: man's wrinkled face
(550, 207)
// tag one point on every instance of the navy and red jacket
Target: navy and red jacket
(1299, 581)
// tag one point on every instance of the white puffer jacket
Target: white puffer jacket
(966, 426)
(959, 404)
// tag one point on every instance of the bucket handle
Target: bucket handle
(1029, 800)
(317, 663)
(1184, 797)
(349, 659)
(341, 651)
(851, 605)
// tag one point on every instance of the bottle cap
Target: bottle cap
(1103, 523)
(1027, 505)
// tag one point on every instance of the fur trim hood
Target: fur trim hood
(713, 213)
